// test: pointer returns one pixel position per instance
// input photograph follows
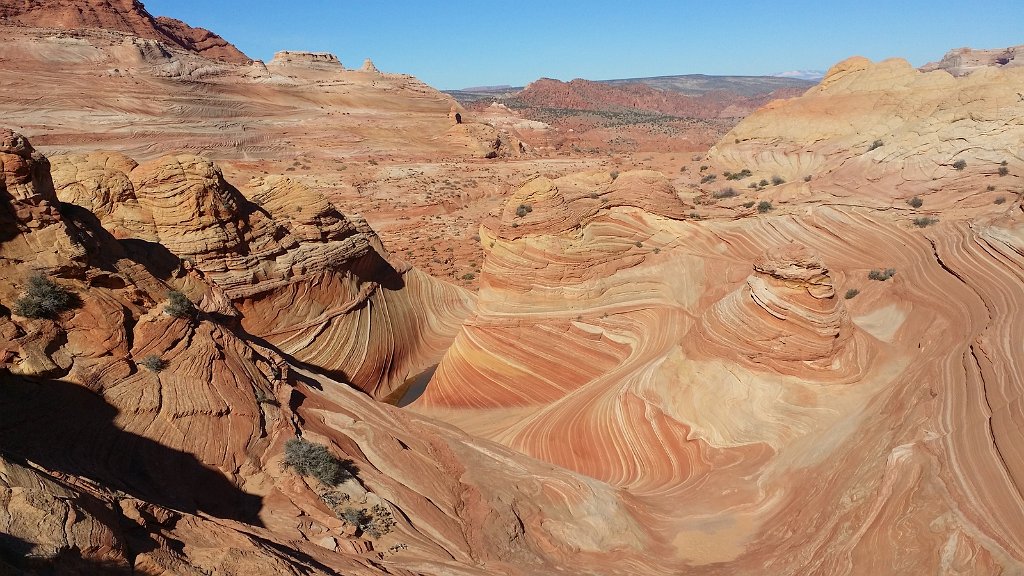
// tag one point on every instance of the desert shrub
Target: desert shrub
(752, 185)
(851, 293)
(737, 175)
(725, 193)
(764, 206)
(179, 305)
(990, 188)
(763, 183)
(375, 523)
(523, 210)
(703, 168)
(924, 221)
(468, 276)
(708, 178)
(1000, 200)
(153, 363)
(915, 202)
(614, 174)
(882, 275)
(312, 459)
(749, 204)
(776, 180)
(876, 144)
(807, 178)
(43, 298)
(1003, 170)
(695, 215)
(960, 164)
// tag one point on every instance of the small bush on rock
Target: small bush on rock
(915, 202)
(851, 293)
(882, 275)
(43, 298)
(312, 459)
(924, 221)
(960, 164)
(776, 180)
(153, 363)
(764, 206)
(179, 305)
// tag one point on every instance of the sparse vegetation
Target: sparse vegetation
(807, 178)
(737, 175)
(875, 145)
(695, 215)
(763, 183)
(1000, 200)
(375, 523)
(764, 206)
(179, 305)
(614, 174)
(990, 188)
(752, 185)
(638, 244)
(153, 363)
(43, 298)
(851, 293)
(468, 276)
(915, 202)
(725, 193)
(776, 180)
(882, 275)
(523, 210)
(312, 459)
(749, 204)
(960, 164)
(1003, 170)
(708, 178)
(924, 221)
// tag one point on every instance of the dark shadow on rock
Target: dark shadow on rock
(67, 428)
(372, 267)
(18, 558)
(160, 261)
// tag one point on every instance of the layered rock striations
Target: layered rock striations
(137, 439)
(126, 16)
(764, 399)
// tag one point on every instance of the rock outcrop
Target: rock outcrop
(963, 61)
(127, 16)
(318, 61)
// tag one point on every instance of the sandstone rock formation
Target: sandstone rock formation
(319, 61)
(963, 61)
(128, 16)
(369, 67)
(111, 462)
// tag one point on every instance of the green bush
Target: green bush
(737, 175)
(312, 459)
(851, 293)
(763, 183)
(764, 206)
(43, 298)
(960, 164)
(708, 178)
(882, 275)
(153, 363)
(179, 305)
(915, 202)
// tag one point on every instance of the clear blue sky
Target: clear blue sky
(458, 43)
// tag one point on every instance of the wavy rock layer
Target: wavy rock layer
(110, 462)
(715, 371)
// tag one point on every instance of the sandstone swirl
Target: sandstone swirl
(111, 462)
(718, 371)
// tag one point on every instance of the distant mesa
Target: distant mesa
(810, 75)
(323, 61)
(963, 61)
